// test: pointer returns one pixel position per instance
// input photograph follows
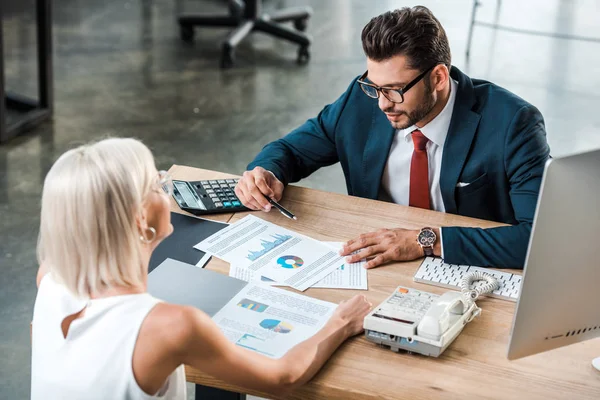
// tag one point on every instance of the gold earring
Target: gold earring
(148, 241)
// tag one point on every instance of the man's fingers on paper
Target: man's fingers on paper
(364, 240)
(381, 259)
(365, 253)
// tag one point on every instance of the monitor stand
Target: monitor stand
(596, 363)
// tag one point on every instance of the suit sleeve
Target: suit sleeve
(307, 148)
(526, 153)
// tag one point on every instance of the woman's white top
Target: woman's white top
(95, 359)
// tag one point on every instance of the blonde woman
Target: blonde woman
(97, 333)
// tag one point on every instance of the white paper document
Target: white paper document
(346, 276)
(271, 321)
(274, 252)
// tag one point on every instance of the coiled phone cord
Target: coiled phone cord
(471, 294)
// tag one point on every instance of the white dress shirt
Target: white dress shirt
(395, 182)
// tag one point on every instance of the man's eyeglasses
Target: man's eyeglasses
(393, 95)
(165, 182)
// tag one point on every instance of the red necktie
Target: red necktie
(419, 173)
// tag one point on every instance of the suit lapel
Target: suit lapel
(461, 133)
(376, 153)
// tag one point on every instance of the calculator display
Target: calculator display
(187, 195)
(208, 196)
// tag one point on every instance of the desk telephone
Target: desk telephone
(423, 322)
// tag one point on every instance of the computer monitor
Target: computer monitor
(560, 293)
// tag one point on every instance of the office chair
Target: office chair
(244, 16)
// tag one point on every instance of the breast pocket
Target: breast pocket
(476, 199)
(473, 184)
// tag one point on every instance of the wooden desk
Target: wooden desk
(474, 366)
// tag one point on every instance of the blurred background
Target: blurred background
(121, 69)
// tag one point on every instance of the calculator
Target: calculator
(207, 197)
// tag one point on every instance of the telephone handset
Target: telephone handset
(424, 322)
(438, 318)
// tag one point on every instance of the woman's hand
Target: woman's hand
(353, 312)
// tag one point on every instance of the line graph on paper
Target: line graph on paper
(267, 246)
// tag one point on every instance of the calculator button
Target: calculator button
(236, 203)
(213, 196)
(227, 204)
(230, 180)
(402, 290)
(221, 181)
(209, 191)
(204, 183)
(219, 204)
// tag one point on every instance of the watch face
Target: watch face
(427, 237)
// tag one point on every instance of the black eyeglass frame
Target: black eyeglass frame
(383, 89)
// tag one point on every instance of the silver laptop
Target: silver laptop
(560, 293)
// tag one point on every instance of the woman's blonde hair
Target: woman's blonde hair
(92, 203)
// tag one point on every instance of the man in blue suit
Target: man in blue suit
(416, 131)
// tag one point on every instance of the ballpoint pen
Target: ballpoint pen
(281, 208)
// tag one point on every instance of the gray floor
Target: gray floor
(120, 69)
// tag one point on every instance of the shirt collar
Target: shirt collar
(437, 129)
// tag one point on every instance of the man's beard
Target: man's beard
(418, 114)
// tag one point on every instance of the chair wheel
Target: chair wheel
(186, 33)
(237, 9)
(301, 24)
(303, 55)
(227, 57)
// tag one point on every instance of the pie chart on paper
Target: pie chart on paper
(290, 262)
(276, 325)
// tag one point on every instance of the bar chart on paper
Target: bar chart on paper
(252, 305)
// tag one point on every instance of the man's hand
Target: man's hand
(387, 245)
(255, 185)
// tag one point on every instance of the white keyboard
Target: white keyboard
(433, 271)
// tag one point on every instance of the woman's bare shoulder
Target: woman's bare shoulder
(174, 325)
(162, 342)
(42, 271)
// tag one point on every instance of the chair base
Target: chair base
(245, 18)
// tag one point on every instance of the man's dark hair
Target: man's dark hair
(412, 32)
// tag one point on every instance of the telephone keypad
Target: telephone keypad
(409, 303)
